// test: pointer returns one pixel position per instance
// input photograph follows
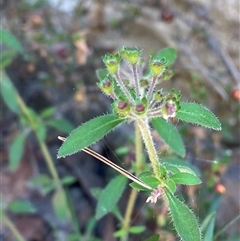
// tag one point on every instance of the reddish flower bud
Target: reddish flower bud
(236, 94)
(219, 188)
(140, 108)
(122, 108)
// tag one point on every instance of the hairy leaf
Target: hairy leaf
(169, 54)
(88, 133)
(183, 219)
(198, 114)
(186, 178)
(181, 164)
(171, 185)
(170, 135)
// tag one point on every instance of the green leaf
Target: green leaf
(184, 220)
(101, 74)
(198, 114)
(137, 229)
(43, 182)
(73, 237)
(8, 92)
(148, 178)
(172, 169)
(171, 185)
(117, 213)
(180, 164)
(138, 186)
(68, 180)
(21, 206)
(154, 237)
(61, 125)
(120, 233)
(91, 224)
(88, 133)
(96, 192)
(16, 150)
(110, 196)
(145, 174)
(186, 178)
(10, 40)
(170, 135)
(208, 225)
(47, 112)
(150, 181)
(6, 58)
(169, 54)
(123, 150)
(60, 205)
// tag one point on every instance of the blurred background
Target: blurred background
(61, 44)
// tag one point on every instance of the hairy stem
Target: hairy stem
(134, 192)
(124, 89)
(136, 80)
(148, 141)
(151, 88)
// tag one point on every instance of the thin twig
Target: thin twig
(212, 42)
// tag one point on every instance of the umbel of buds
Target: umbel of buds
(138, 96)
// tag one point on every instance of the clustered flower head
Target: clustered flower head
(136, 95)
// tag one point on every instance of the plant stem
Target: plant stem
(136, 80)
(42, 144)
(134, 192)
(139, 149)
(151, 88)
(147, 138)
(12, 227)
(124, 89)
(49, 160)
(128, 213)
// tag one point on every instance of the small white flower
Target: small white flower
(154, 195)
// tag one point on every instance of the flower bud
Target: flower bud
(167, 74)
(158, 95)
(157, 66)
(220, 188)
(132, 55)
(141, 107)
(144, 83)
(112, 62)
(170, 108)
(122, 108)
(106, 86)
(173, 94)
